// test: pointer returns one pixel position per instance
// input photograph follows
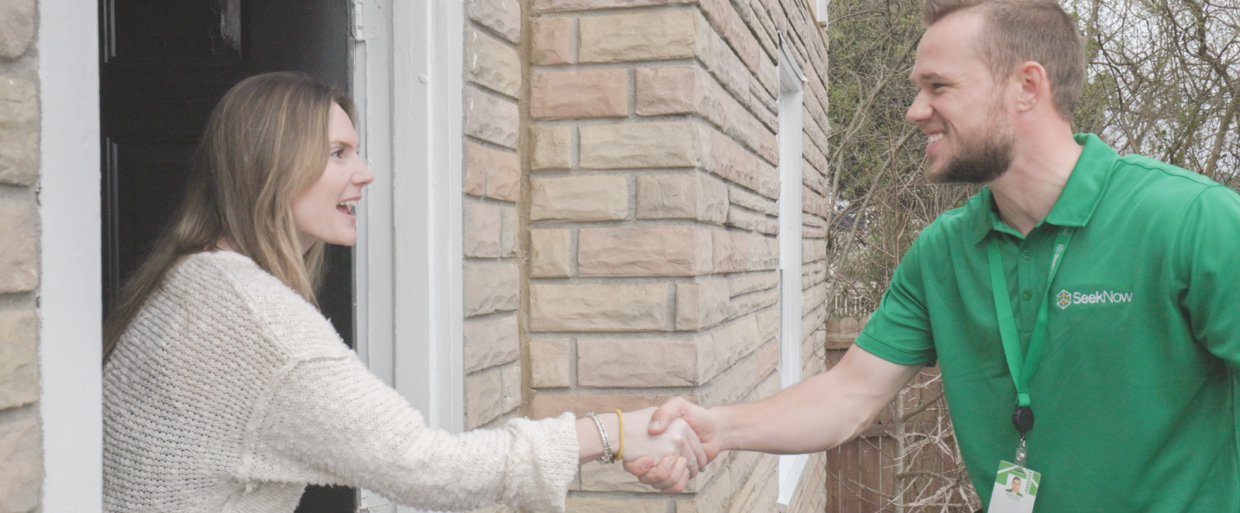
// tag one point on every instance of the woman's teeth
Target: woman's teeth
(351, 206)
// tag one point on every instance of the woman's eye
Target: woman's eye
(338, 153)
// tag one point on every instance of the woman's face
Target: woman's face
(325, 211)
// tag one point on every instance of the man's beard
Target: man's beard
(980, 162)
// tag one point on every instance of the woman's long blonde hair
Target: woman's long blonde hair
(265, 142)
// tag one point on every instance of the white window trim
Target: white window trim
(408, 262)
(70, 297)
(820, 12)
(791, 98)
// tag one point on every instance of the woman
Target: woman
(226, 390)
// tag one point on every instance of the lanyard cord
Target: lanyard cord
(1022, 367)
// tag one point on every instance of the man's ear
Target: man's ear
(1035, 86)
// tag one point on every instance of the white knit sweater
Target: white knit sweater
(230, 393)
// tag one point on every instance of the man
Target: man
(1015, 489)
(1130, 372)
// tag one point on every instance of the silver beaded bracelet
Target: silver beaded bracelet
(606, 457)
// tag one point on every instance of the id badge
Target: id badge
(1016, 488)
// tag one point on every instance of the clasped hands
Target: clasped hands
(666, 446)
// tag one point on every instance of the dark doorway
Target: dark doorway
(163, 66)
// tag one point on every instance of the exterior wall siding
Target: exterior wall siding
(21, 448)
(650, 223)
(491, 187)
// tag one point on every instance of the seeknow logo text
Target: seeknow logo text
(1065, 299)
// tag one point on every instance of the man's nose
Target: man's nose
(919, 111)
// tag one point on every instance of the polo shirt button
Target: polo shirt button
(1026, 295)
(1027, 254)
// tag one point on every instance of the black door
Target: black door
(163, 66)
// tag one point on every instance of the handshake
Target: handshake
(663, 447)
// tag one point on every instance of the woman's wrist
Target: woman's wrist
(590, 441)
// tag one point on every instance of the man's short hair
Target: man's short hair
(1018, 31)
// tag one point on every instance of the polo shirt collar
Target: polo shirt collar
(1077, 202)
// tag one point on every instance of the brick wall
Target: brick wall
(652, 222)
(21, 461)
(489, 219)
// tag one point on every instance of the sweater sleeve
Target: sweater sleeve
(329, 420)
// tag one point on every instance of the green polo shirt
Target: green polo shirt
(1135, 396)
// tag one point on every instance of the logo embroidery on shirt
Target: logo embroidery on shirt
(1065, 299)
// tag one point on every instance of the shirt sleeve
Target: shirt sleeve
(329, 420)
(1212, 254)
(899, 330)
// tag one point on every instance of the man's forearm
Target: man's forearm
(816, 414)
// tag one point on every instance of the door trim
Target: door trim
(407, 83)
(70, 295)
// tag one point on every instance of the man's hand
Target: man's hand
(673, 413)
(680, 454)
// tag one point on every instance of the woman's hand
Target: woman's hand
(677, 449)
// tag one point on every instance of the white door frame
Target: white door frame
(70, 297)
(791, 98)
(407, 83)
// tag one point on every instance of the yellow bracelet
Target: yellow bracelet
(620, 453)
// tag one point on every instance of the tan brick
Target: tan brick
(598, 307)
(663, 91)
(17, 27)
(490, 341)
(490, 118)
(644, 251)
(750, 220)
(579, 94)
(580, 198)
(701, 303)
(480, 224)
(647, 35)
(682, 196)
(731, 161)
(490, 287)
(763, 252)
(617, 505)
(768, 180)
(492, 64)
(19, 265)
(745, 198)
(21, 446)
(752, 282)
(638, 363)
(768, 323)
(767, 358)
(724, 64)
(549, 362)
(482, 397)
(549, 253)
(724, 19)
(639, 145)
(735, 341)
(510, 398)
(502, 16)
(552, 41)
(474, 183)
(19, 358)
(19, 123)
(508, 241)
(553, 404)
(552, 147)
(731, 251)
